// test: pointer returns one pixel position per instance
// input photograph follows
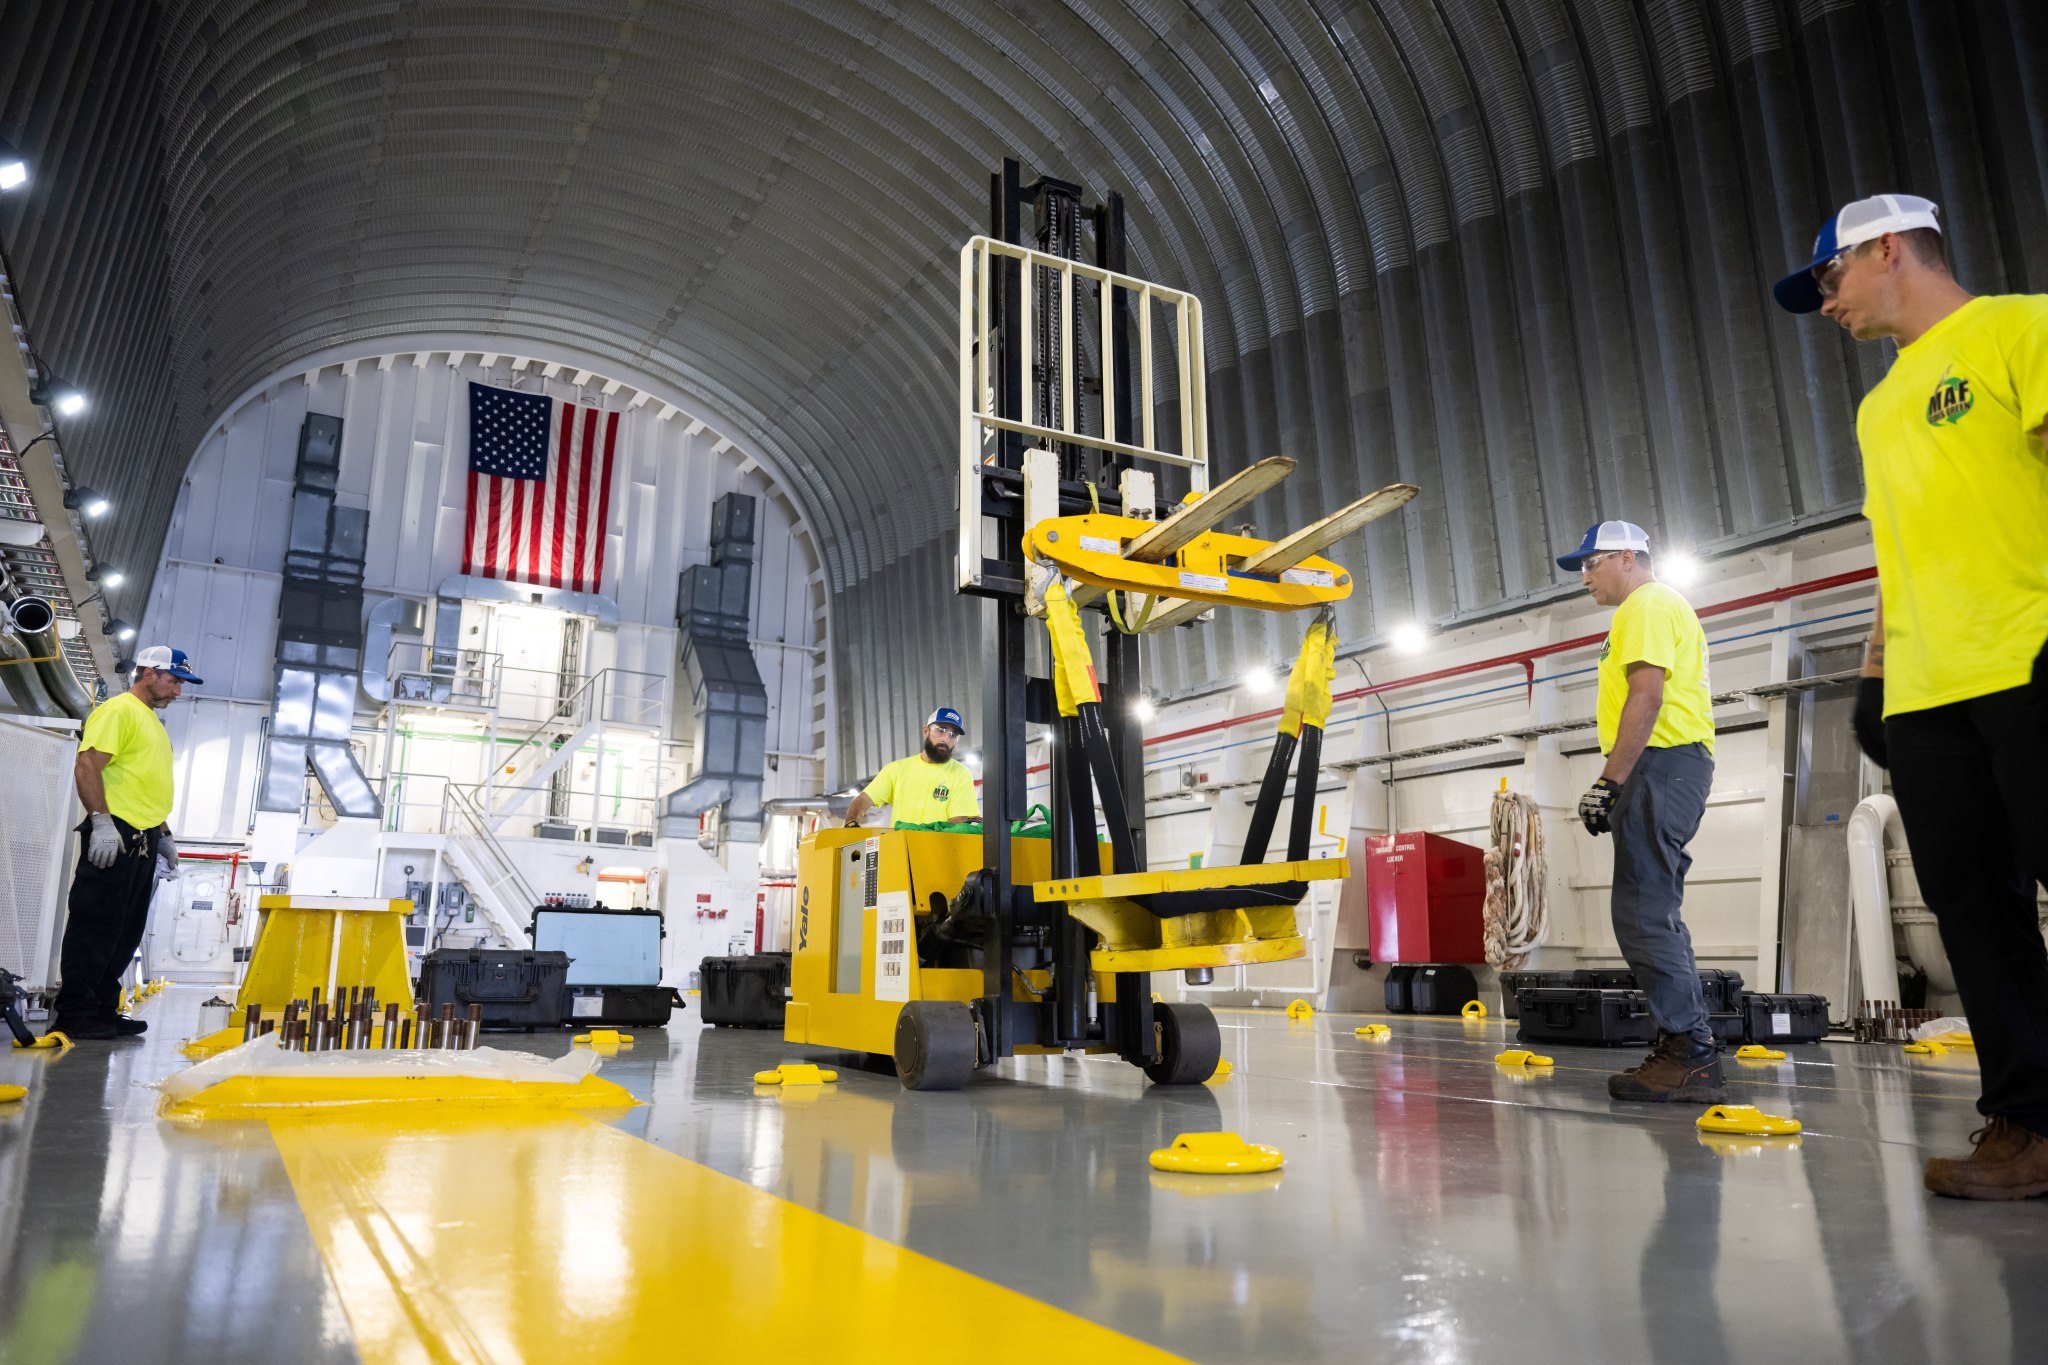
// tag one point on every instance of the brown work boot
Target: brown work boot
(2009, 1162)
(1677, 1071)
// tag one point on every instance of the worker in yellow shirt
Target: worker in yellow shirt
(1656, 721)
(123, 776)
(1954, 694)
(930, 787)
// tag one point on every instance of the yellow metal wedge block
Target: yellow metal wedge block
(1089, 548)
(795, 1073)
(1521, 1056)
(13, 1094)
(1221, 1073)
(1746, 1120)
(1216, 1154)
(1757, 1052)
(1378, 1033)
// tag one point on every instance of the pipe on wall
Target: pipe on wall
(19, 677)
(35, 627)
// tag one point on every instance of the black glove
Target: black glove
(1868, 720)
(1597, 805)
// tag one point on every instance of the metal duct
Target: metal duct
(725, 686)
(34, 622)
(319, 639)
(20, 679)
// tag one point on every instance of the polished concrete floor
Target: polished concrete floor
(1434, 1207)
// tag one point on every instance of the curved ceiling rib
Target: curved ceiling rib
(1512, 250)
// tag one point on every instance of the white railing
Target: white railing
(488, 869)
(423, 675)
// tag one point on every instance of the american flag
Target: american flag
(540, 489)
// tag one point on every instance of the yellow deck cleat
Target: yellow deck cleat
(1300, 1009)
(1379, 1033)
(795, 1073)
(1757, 1052)
(1521, 1056)
(1474, 1010)
(606, 1042)
(1216, 1154)
(1746, 1120)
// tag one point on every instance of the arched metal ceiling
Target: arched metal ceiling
(1515, 251)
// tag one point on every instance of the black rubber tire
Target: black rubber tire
(1190, 1044)
(935, 1045)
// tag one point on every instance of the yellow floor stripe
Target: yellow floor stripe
(494, 1237)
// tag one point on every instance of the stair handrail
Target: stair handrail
(565, 715)
(500, 872)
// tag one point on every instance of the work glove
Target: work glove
(1596, 807)
(1868, 720)
(166, 858)
(103, 841)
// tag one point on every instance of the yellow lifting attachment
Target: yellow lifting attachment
(326, 944)
(795, 1073)
(55, 1038)
(1216, 1154)
(1474, 1011)
(1746, 1120)
(1137, 939)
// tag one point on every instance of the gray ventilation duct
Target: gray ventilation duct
(319, 639)
(34, 623)
(725, 687)
(20, 678)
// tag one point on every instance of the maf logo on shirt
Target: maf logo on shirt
(942, 793)
(1950, 401)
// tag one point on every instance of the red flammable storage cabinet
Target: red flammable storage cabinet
(1425, 899)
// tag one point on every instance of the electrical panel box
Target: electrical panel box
(1425, 899)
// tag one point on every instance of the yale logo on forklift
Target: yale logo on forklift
(803, 923)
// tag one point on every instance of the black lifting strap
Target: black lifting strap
(1267, 809)
(1305, 792)
(1095, 744)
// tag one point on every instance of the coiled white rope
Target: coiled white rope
(1517, 881)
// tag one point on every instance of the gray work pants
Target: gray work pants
(1655, 817)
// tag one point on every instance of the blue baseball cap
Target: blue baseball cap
(1605, 535)
(175, 662)
(946, 715)
(1865, 220)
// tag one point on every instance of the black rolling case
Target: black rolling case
(518, 988)
(619, 1006)
(1719, 987)
(1585, 1015)
(1429, 990)
(1784, 1018)
(1511, 982)
(745, 992)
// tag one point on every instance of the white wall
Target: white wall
(404, 443)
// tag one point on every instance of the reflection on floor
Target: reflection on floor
(1433, 1206)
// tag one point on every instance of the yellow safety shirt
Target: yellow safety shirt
(138, 780)
(1655, 625)
(923, 793)
(1956, 489)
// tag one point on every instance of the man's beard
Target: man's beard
(936, 754)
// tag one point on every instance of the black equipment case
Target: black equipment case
(1512, 982)
(1429, 990)
(613, 1006)
(1586, 1015)
(1784, 1018)
(745, 992)
(518, 988)
(1719, 987)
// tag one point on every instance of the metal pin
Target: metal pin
(473, 1025)
(444, 1031)
(390, 1026)
(252, 1022)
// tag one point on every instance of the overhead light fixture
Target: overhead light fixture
(120, 629)
(66, 400)
(106, 575)
(1408, 638)
(1142, 710)
(1259, 681)
(1679, 568)
(92, 504)
(13, 170)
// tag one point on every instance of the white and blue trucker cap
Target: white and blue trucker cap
(172, 661)
(1865, 220)
(1606, 535)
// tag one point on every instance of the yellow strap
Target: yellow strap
(1308, 686)
(1073, 667)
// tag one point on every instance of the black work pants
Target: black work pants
(109, 909)
(1968, 780)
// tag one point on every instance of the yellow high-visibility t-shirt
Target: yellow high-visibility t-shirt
(1655, 625)
(1956, 488)
(922, 793)
(138, 780)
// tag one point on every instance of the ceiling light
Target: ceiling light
(120, 629)
(106, 575)
(1408, 639)
(1679, 568)
(1259, 681)
(1142, 710)
(66, 400)
(13, 170)
(82, 499)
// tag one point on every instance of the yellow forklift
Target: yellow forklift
(948, 951)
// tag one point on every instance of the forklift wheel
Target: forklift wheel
(935, 1044)
(1189, 1044)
